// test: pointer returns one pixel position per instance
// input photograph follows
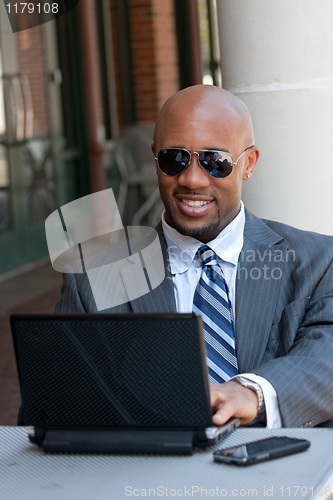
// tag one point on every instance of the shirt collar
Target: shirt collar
(227, 245)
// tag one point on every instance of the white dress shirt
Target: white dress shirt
(186, 272)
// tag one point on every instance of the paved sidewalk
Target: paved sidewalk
(34, 292)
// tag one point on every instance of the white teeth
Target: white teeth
(197, 203)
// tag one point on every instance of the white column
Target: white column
(277, 56)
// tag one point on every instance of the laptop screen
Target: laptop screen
(119, 371)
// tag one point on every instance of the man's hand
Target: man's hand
(232, 400)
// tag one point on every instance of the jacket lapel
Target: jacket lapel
(159, 299)
(259, 273)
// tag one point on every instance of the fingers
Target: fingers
(224, 413)
(232, 400)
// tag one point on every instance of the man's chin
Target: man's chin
(196, 231)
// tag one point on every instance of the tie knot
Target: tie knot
(207, 256)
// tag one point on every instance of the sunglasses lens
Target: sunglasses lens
(216, 164)
(173, 161)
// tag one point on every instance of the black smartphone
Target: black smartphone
(261, 450)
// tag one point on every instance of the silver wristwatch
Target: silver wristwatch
(245, 382)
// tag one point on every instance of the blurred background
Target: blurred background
(68, 88)
(79, 97)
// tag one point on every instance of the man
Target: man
(277, 280)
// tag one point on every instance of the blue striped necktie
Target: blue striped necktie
(212, 303)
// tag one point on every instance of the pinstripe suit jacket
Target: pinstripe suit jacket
(284, 314)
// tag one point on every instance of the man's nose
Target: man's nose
(194, 176)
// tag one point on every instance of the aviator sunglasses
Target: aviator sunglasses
(218, 164)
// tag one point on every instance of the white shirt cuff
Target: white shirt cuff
(273, 417)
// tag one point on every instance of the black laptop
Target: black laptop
(115, 383)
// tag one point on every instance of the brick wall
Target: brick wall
(154, 61)
(30, 55)
(154, 56)
(154, 53)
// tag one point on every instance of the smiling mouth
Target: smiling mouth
(195, 203)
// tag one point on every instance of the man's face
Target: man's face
(197, 204)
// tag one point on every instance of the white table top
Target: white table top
(28, 473)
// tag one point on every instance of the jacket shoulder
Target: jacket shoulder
(298, 238)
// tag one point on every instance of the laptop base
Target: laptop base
(113, 441)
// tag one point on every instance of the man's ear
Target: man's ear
(252, 158)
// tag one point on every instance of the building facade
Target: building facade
(68, 88)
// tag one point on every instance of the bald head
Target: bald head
(207, 103)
